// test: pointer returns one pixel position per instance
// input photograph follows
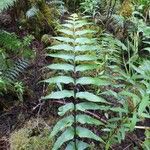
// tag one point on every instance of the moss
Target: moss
(126, 9)
(19, 140)
(31, 137)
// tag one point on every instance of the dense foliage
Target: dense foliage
(88, 58)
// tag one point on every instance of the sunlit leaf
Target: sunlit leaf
(60, 79)
(62, 56)
(64, 47)
(94, 81)
(65, 67)
(59, 95)
(64, 39)
(66, 31)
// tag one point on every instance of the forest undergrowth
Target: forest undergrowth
(74, 75)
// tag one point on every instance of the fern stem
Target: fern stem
(75, 113)
(75, 91)
(74, 102)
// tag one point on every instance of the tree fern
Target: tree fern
(78, 53)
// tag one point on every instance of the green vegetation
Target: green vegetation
(88, 59)
(74, 46)
(29, 137)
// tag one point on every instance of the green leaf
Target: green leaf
(62, 56)
(86, 119)
(64, 137)
(66, 31)
(85, 58)
(136, 99)
(145, 115)
(80, 145)
(65, 67)
(70, 26)
(80, 21)
(64, 47)
(64, 109)
(84, 48)
(84, 40)
(64, 39)
(71, 22)
(134, 120)
(81, 24)
(81, 107)
(146, 143)
(60, 79)
(91, 106)
(146, 42)
(62, 124)
(86, 133)
(83, 32)
(118, 109)
(59, 95)
(86, 67)
(94, 81)
(90, 97)
(147, 49)
(144, 103)
(5, 4)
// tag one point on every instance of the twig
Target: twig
(96, 116)
(142, 127)
(127, 147)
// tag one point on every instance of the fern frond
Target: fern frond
(5, 4)
(32, 12)
(9, 41)
(72, 50)
(11, 74)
